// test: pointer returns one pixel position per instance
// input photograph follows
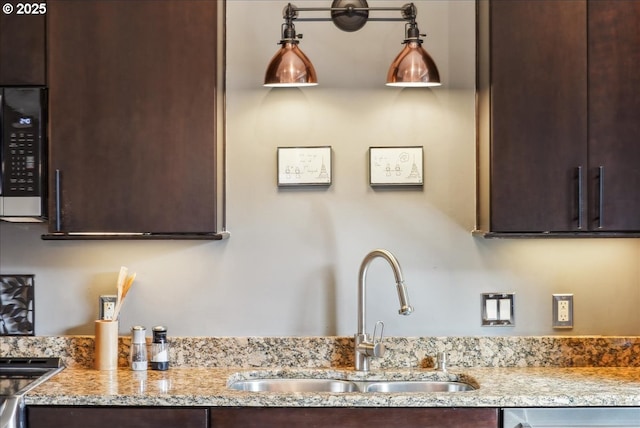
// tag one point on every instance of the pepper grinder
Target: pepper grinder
(159, 349)
(138, 354)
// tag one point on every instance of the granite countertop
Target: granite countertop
(532, 371)
(497, 387)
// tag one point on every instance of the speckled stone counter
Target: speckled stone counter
(507, 371)
(497, 387)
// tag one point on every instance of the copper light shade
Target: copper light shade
(290, 67)
(413, 67)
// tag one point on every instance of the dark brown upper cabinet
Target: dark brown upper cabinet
(559, 101)
(22, 44)
(136, 119)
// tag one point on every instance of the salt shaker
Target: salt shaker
(138, 354)
(159, 349)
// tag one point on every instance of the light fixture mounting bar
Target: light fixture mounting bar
(350, 15)
(347, 9)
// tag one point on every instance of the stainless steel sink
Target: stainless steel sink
(294, 385)
(335, 385)
(416, 386)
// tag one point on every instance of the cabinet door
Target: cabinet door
(353, 417)
(112, 417)
(538, 62)
(133, 115)
(614, 115)
(22, 44)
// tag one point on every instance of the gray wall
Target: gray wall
(291, 265)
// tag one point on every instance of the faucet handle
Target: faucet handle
(378, 346)
(371, 346)
(375, 329)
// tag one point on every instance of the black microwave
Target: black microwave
(23, 160)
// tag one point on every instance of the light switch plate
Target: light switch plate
(562, 311)
(498, 309)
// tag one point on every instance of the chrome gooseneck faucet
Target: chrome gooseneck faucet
(365, 346)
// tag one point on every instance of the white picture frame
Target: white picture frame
(396, 166)
(304, 166)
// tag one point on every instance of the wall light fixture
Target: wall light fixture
(290, 66)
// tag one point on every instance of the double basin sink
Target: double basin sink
(286, 385)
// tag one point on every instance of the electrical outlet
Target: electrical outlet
(562, 311)
(107, 307)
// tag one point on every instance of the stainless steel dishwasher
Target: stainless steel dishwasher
(571, 417)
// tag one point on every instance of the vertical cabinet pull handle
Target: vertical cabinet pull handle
(580, 199)
(600, 196)
(58, 198)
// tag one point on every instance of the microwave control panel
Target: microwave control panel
(22, 143)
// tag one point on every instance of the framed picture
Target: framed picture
(393, 166)
(16, 305)
(304, 166)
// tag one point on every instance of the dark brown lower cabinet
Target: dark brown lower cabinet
(116, 417)
(262, 417)
(348, 417)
